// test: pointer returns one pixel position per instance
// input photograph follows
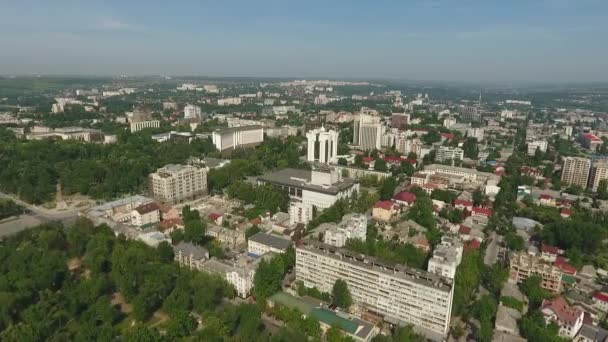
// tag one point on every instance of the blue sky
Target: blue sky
(451, 40)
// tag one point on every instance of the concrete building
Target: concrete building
(367, 132)
(575, 171)
(598, 173)
(400, 120)
(192, 112)
(262, 243)
(310, 191)
(590, 141)
(568, 318)
(139, 125)
(190, 255)
(399, 294)
(475, 132)
(449, 122)
(234, 137)
(174, 183)
(534, 145)
(445, 153)
(322, 146)
(352, 226)
(145, 214)
(230, 238)
(446, 257)
(229, 101)
(239, 273)
(523, 265)
(384, 211)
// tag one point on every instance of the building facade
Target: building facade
(523, 265)
(322, 146)
(367, 132)
(352, 226)
(192, 112)
(575, 171)
(399, 294)
(190, 256)
(175, 183)
(234, 137)
(262, 243)
(445, 153)
(598, 172)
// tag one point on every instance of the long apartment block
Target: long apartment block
(400, 294)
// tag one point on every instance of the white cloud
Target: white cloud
(111, 24)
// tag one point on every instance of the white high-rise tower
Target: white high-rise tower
(322, 145)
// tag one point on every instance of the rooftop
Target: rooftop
(188, 248)
(271, 240)
(303, 179)
(234, 129)
(146, 208)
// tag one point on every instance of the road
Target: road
(36, 216)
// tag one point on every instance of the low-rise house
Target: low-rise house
(558, 311)
(384, 211)
(591, 333)
(600, 301)
(549, 253)
(405, 198)
(190, 255)
(506, 320)
(231, 238)
(481, 212)
(463, 204)
(216, 218)
(262, 243)
(145, 214)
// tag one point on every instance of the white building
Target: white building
(599, 172)
(449, 121)
(475, 132)
(175, 183)
(445, 153)
(446, 258)
(211, 89)
(367, 132)
(190, 255)
(229, 101)
(310, 191)
(139, 125)
(533, 145)
(192, 112)
(233, 137)
(322, 146)
(568, 318)
(145, 214)
(262, 243)
(353, 226)
(239, 274)
(401, 295)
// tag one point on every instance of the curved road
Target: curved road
(43, 214)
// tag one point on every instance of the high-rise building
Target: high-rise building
(192, 112)
(598, 173)
(367, 132)
(401, 295)
(575, 171)
(175, 183)
(445, 153)
(400, 120)
(233, 137)
(322, 145)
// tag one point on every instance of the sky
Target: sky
(440, 40)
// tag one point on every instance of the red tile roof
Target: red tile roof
(565, 212)
(601, 297)
(386, 205)
(430, 186)
(591, 137)
(147, 208)
(368, 160)
(464, 230)
(464, 203)
(410, 161)
(214, 216)
(448, 136)
(471, 245)
(405, 196)
(256, 221)
(482, 211)
(564, 312)
(545, 196)
(549, 249)
(392, 159)
(565, 266)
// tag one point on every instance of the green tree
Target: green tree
(388, 188)
(181, 324)
(340, 295)
(602, 189)
(342, 161)
(380, 165)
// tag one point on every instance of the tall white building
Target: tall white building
(192, 111)
(322, 146)
(598, 173)
(233, 137)
(401, 295)
(175, 183)
(575, 171)
(367, 132)
(310, 191)
(353, 226)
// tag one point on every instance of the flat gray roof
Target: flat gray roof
(296, 178)
(239, 128)
(271, 240)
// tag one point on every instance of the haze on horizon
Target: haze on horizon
(467, 40)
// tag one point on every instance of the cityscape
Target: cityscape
(146, 202)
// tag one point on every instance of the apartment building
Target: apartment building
(190, 256)
(534, 145)
(230, 238)
(234, 137)
(310, 191)
(401, 295)
(192, 112)
(523, 265)
(262, 243)
(590, 141)
(445, 153)
(145, 214)
(229, 101)
(575, 171)
(367, 132)
(352, 226)
(174, 183)
(598, 173)
(569, 319)
(239, 273)
(446, 257)
(400, 120)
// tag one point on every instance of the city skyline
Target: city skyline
(471, 41)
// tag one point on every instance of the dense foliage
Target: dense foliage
(9, 208)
